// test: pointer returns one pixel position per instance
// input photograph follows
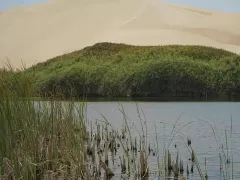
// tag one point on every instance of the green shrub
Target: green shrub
(108, 69)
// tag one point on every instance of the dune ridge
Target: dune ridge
(36, 33)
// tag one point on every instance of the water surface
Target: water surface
(197, 120)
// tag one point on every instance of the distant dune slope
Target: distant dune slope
(36, 33)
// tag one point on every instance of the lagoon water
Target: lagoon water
(207, 124)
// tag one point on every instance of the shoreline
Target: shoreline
(139, 99)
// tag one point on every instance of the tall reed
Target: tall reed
(38, 139)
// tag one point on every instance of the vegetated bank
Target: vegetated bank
(120, 70)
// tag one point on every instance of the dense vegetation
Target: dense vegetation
(31, 133)
(119, 70)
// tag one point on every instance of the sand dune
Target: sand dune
(36, 33)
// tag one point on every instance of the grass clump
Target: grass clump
(38, 140)
(119, 70)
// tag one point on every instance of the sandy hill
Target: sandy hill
(37, 33)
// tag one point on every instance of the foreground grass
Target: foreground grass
(38, 140)
(119, 70)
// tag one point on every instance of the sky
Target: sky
(220, 5)
(6, 4)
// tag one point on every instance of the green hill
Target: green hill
(119, 70)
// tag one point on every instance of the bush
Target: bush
(108, 69)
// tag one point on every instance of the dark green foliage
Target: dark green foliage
(108, 69)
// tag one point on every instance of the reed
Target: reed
(38, 140)
(223, 152)
(54, 140)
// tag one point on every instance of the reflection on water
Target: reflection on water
(207, 124)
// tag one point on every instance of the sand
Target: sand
(36, 33)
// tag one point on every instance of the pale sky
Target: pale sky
(5, 4)
(221, 5)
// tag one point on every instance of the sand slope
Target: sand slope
(37, 33)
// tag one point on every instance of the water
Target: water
(194, 119)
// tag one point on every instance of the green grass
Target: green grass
(119, 70)
(38, 140)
